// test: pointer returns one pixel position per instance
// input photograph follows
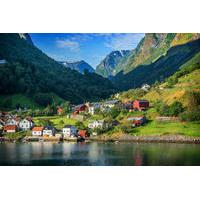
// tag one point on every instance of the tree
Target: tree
(162, 108)
(66, 108)
(80, 125)
(43, 99)
(175, 109)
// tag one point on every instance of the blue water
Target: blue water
(99, 154)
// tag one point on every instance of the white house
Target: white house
(49, 131)
(12, 121)
(37, 131)
(93, 107)
(96, 124)
(69, 131)
(145, 87)
(26, 124)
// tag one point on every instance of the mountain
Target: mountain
(26, 37)
(156, 69)
(155, 45)
(107, 66)
(79, 66)
(32, 73)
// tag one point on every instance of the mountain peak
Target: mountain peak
(79, 66)
(107, 66)
(26, 37)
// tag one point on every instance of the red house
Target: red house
(140, 105)
(137, 121)
(10, 128)
(80, 109)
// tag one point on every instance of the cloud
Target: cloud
(123, 41)
(72, 45)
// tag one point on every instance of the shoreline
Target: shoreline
(124, 138)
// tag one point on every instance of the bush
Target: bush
(175, 109)
(162, 108)
(190, 116)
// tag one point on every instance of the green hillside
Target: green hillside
(163, 67)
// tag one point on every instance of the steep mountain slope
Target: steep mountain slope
(177, 87)
(31, 72)
(160, 69)
(107, 67)
(79, 66)
(182, 38)
(151, 47)
(154, 45)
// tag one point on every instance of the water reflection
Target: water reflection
(121, 154)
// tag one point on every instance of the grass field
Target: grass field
(58, 121)
(160, 128)
(11, 101)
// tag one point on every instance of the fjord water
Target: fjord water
(99, 154)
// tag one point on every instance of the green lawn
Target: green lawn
(18, 99)
(58, 121)
(159, 128)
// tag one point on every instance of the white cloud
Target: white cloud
(73, 46)
(123, 41)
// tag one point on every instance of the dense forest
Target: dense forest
(31, 72)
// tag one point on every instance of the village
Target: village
(13, 123)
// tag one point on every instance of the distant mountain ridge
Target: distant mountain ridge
(79, 66)
(107, 66)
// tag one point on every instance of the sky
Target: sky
(90, 47)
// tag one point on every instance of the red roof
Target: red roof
(9, 127)
(38, 128)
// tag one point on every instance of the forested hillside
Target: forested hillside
(30, 72)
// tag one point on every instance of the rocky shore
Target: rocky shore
(148, 139)
(121, 138)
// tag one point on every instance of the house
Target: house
(93, 107)
(69, 131)
(13, 121)
(37, 131)
(145, 87)
(80, 109)
(83, 133)
(96, 124)
(26, 124)
(128, 106)
(59, 110)
(137, 121)
(10, 128)
(49, 131)
(140, 105)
